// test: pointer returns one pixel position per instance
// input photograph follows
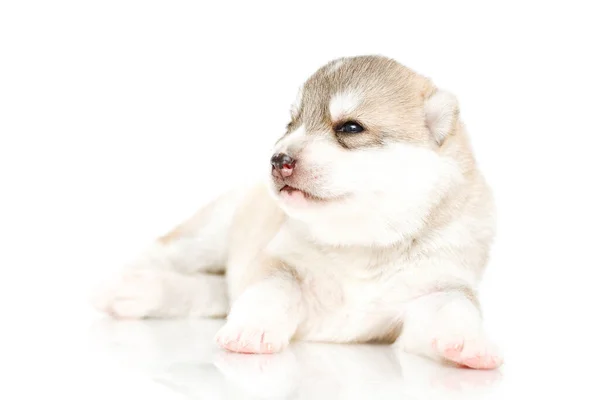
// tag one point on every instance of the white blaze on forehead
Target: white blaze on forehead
(298, 102)
(343, 104)
(335, 65)
(293, 139)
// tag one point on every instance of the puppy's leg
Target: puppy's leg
(264, 317)
(176, 275)
(448, 326)
(155, 293)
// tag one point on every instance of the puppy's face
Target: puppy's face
(359, 163)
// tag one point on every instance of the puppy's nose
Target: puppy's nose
(283, 163)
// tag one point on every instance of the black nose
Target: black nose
(282, 160)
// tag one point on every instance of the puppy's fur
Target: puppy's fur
(380, 235)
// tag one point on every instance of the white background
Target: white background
(120, 118)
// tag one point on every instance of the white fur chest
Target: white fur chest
(343, 289)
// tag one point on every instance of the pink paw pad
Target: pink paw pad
(476, 355)
(248, 342)
(237, 346)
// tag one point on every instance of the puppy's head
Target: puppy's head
(360, 162)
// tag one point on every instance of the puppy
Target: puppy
(373, 225)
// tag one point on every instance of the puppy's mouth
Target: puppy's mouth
(295, 193)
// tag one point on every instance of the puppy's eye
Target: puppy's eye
(350, 127)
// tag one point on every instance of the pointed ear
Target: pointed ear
(441, 114)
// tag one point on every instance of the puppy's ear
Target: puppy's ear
(441, 114)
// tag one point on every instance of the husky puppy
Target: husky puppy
(373, 225)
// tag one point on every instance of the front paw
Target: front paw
(471, 352)
(133, 295)
(252, 338)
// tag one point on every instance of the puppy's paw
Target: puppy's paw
(475, 352)
(252, 339)
(133, 295)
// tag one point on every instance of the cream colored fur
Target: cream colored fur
(385, 239)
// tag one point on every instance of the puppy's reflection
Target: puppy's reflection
(181, 355)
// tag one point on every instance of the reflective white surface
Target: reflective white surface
(92, 357)
(181, 356)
